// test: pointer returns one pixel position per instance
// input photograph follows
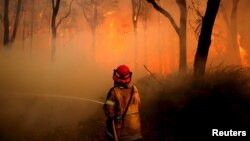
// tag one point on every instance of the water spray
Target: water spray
(69, 97)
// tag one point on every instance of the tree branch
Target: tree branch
(166, 14)
(64, 17)
(152, 75)
(84, 12)
(196, 23)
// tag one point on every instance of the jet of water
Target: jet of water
(69, 97)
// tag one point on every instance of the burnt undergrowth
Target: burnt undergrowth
(184, 108)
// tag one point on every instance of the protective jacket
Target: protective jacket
(127, 126)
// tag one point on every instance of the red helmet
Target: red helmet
(122, 74)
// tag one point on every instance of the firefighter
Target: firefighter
(122, 108)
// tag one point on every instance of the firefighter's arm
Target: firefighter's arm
(109, 105)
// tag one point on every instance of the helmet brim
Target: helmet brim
(119, 80)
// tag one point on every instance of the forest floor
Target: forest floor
(173, 108)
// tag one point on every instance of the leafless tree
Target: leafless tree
(181, 30)
(194, 7)
(6, 38)
(55, 24)
(94, 12)
(205, 37)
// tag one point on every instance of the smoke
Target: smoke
(31, 83)
(30, 89)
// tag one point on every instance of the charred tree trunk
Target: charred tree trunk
(55, 9)
(17, 18)
(182, 35)
(205, 37)
(7, 40)
(6, 22)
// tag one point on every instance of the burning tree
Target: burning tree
(54, 24)
(181, 30)
(205, 37)
(7, 25)
(94, 12)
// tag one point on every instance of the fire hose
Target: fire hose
(69, 97)
(82, 99)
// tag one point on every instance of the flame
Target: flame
(243, 53)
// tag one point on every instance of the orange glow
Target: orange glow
(135, 18)
(110, 13)
(243, 53)
(219, 48)
(41, 14)
(61, 34)
(111, 24)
